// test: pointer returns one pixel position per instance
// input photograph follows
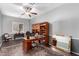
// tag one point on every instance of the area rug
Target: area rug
(17, 50)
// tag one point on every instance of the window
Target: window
(17, 27)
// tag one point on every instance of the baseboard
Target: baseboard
(75, 53)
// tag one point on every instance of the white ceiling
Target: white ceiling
(14, 9)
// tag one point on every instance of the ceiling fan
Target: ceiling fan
(28, 10)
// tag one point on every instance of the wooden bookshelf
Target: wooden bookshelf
(42, 28)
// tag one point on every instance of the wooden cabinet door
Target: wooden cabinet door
(27, 45)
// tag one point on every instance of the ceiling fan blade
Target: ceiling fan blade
(29, 15)
(27, 9)
(33, 13)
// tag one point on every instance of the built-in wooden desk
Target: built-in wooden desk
(27, 43)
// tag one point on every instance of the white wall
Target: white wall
(0, 25)
(0, 28)
(64, 19)
(7, 23)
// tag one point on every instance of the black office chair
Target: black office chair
(28, 34)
